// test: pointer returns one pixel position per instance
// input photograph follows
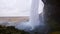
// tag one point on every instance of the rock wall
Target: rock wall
(52, 14)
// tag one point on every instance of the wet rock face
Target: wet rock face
(52, 2)
(52, 8)
(52, 13)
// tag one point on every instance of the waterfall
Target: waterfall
(34, 18)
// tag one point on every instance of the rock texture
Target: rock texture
(52, 14)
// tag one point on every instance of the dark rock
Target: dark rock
(52, 14)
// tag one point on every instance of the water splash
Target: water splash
(34, 18)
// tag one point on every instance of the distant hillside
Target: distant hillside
(14, 19)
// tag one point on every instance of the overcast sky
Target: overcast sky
(17, 7)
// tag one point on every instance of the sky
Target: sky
(17, 7)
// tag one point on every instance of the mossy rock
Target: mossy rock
(56, 32)
(11, 30)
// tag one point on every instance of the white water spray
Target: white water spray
(34, 18)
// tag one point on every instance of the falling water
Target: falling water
(34, 18)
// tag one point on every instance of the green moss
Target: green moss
(11, 30)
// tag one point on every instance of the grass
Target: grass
(11, 30)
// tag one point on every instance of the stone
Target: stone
(52, 14)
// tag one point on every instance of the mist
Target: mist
(34, 17)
